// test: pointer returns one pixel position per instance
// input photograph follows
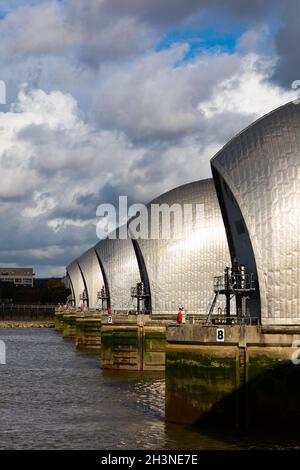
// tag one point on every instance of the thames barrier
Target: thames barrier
(219, 309)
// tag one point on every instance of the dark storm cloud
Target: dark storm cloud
(170, 12)
(18, 233)
(107, 193)
(175, 12)
(287, 46)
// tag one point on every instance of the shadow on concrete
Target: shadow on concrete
(269, 400)
(264, 413)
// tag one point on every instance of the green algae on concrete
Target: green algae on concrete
(133, 347)
(58, 320)
(154, 347)
(120, 347)
(88, 333)
(249, 380)
(69, 325)
(197, 379)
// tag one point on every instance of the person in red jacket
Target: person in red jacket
(180, 315)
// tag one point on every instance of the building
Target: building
(172, 271)
(257, 178)
(17, 276)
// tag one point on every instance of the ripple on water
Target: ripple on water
(52, 397)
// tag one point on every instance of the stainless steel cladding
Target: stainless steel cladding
(174, 271)
(92, 274)
(181, 271)
(77, 283)
(257, 177)
(121, 271)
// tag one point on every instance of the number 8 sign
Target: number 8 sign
(220, 334)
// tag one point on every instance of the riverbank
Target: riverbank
(27, 324)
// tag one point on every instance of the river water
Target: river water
(53, 397)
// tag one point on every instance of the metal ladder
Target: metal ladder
(212, 307)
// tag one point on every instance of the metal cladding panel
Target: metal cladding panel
(261, 166)
(76, 280)
(181, 271)
(121, 270)
(91, 271)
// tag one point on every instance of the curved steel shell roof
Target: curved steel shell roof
(77, 281)
(121, 270)
(260, 171)
(181, 271)
(175, 271)
(92, 274)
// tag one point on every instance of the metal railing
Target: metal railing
(17, 312)
(83, 296)
(137, 292)
(220, 318)
(235, 282)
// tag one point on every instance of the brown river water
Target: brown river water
(53, 397)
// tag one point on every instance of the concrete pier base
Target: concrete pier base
(58, 320)
(133, 343)
(69, 325)
(88, 333)
(246, 381)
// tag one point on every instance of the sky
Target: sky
(124, 97)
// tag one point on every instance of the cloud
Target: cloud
(286, 42)
(153, 12)
(58, 167)
(108, 110)
(84, 30)
(254, 39)
(6, 7)
(96, 31)
(36, 29)
(59, 41)
(153, 99)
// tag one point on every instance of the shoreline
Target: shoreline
(27, 324)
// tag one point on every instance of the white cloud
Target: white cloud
(43, 204)
(247, 93)
(61, 223)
